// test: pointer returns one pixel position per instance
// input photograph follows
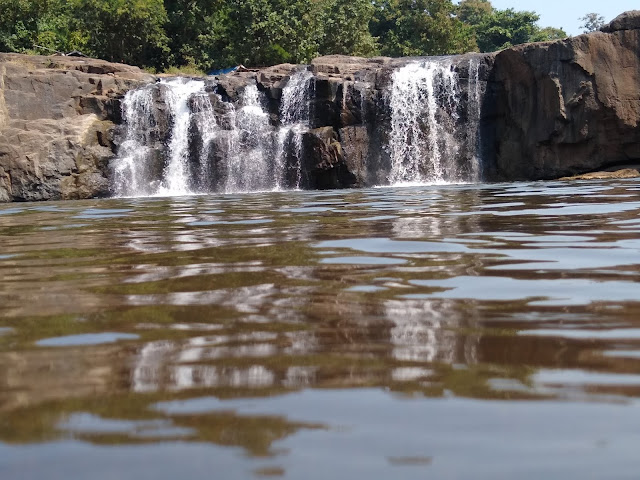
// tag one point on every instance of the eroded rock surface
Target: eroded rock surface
(570, 106)
(57, 116)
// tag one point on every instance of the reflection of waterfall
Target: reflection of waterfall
(168, 365)
(294, 119)
(428, 140)
(423, 331)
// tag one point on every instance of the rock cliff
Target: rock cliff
(548, 110)
(567, 107)
(57, 116)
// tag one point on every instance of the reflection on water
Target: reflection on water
(384, 332)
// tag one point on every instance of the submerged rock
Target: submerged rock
(622, 173)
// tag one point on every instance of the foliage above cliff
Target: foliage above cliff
(217, 33)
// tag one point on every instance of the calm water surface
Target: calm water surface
(471, 331)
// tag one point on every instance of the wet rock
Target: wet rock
(324, 166)
(622, 173)
(355, 145)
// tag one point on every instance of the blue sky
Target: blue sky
(565, 13)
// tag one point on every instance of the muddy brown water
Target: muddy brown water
(461, 331)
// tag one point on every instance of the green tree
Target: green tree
(19, 23)
(504, 28)
(265, 32)
(591, 22)
(473, 12)
(128, 31)
(345, 27)
(195, 29)
(420, 27)
(548, 33)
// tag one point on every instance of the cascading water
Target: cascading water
(248, 165)
(294, 119)
(426, 140)
(186, 136)
(206, 147)
(474, 110)
(176, 173)
(208, 129)
(131, 168)
(150, 162)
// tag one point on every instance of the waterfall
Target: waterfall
(131, 168)
(142, 166)
(183, 136)
(176, 173)
(206, 125)
(427, 141)
(182, 139)
(475, 105)
(294, 119)
(248, 164)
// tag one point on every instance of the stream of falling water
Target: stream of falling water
(294, 118)
(248, 165)
(176, 173)
(474, 111)
(194, 141)
(208, 129)
(426, 140)
(237, 150)
(130, 169)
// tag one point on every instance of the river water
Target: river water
(459, 331)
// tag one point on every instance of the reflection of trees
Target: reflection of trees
(31, 377)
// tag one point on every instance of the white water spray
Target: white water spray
(176, 174)
(130, 169)
(426, 142)
(208, 129)
(474, 110)
(248, 165)
(294, 118)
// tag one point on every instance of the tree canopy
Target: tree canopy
(591, 22)
(210, 34)
(498, 29)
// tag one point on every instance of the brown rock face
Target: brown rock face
(326, 167)
(625, 21)
(548, 110)
(622, 173)
(570, 106)
(56, 121)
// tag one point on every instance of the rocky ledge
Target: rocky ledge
(549, 110)
(56, 123)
